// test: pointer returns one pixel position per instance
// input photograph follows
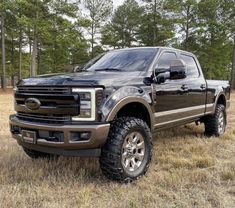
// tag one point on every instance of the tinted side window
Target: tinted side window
(191, 66)
(165, 60)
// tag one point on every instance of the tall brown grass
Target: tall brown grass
(187, 170)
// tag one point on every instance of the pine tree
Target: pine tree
(99, 11)
(156, 27)
(122, 30)
(4, 80)
(215, 45)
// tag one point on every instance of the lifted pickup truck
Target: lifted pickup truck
(111, 107)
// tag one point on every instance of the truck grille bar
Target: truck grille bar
(43, 90)
(43, 118)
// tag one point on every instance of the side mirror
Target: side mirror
(177, 69)
(148, 80)
(162, 77)
(78, 68)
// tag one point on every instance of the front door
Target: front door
(171, 96)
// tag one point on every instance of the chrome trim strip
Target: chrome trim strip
(209, 108)
(210, 105)
(177, 115)
(180, 119)
(182, 110)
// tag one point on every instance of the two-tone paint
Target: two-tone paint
(171, 103)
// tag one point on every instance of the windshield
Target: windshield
(123, 60)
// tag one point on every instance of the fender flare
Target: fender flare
(126, 101)
(221, 93)
(127, 95)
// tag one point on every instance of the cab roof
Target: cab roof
(157, 47)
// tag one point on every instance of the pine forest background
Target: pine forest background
(52, 36)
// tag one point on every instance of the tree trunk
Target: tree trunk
(92, 39)
(20, 56)
(38, 59)
(54, 46)
(33, 68)
(30, 52)
(4, 81)
(154, 22)
(12, 62)
(187, 28)
(233, 66)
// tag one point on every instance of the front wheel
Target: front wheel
(128, 150)
(215, 125)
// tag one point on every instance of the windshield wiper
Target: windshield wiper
(108, 69)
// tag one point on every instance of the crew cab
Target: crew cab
(112, 105)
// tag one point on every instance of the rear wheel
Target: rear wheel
(215, 125)
(128, 150)
(35, 154)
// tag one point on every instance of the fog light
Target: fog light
(85, 136)
(79, 136)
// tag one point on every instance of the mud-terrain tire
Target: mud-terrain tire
(36, 155)
(215, 124)
(128, 150)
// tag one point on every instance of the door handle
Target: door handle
(184, 87)
(203, 86)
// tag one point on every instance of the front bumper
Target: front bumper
(90, 147)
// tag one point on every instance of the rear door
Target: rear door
(196, 84)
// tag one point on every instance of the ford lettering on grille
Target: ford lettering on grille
(32, 103)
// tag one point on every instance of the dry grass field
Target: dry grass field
(187, 170)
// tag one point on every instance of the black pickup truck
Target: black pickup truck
(112, 105)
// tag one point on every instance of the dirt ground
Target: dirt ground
(187, 170)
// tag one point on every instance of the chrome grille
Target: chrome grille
(57, 104)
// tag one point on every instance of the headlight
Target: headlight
(87, 104)
(83, 95)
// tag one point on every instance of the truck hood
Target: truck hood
(101, 78)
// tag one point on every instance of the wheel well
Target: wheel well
(221, 100)
(137, 110)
